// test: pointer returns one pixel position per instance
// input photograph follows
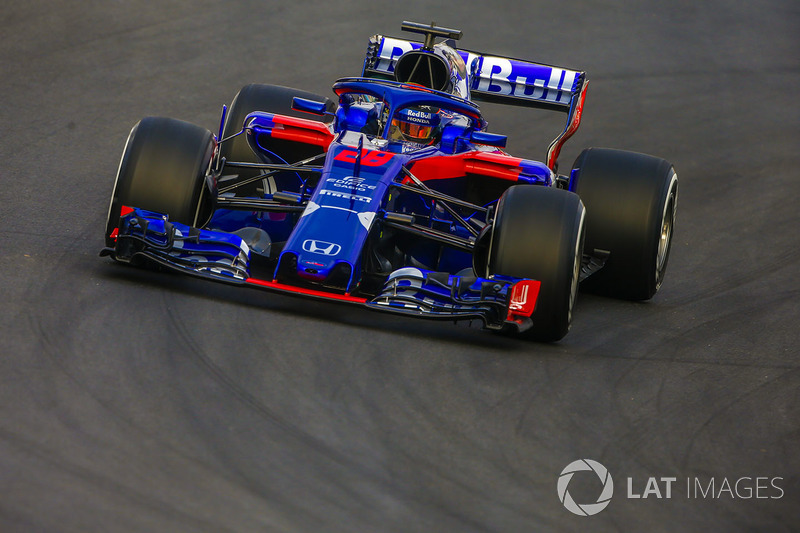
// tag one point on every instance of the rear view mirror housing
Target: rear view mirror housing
(309, 106)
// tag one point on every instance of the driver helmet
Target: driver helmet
(415, 124)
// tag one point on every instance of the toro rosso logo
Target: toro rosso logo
(321, 247)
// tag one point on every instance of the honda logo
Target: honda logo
(321, 247)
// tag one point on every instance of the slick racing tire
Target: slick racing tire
(163, 169)
(538, 234)
(630, 200)
(271, 99)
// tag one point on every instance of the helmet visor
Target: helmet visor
(415, 132)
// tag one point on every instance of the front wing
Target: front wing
(220, 256)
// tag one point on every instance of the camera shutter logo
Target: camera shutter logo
(585, 509)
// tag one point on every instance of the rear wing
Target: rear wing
(498, 79)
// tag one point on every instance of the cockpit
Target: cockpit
(403, 117)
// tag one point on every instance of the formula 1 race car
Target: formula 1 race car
(396, 197)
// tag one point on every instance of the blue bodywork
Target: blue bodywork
(362, 227)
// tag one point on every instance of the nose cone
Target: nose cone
(317, 258)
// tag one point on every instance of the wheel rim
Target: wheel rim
(663, 243)
(665, 239)
(576, 266)
(573, 290)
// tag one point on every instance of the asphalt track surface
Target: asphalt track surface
(141, 401)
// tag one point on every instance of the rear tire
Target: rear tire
(538, 234)
(630, 200)
(271, 99)
(163, 169)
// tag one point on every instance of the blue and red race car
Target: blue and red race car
(396, 198)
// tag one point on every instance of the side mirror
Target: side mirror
(491, 139)
(309, 106)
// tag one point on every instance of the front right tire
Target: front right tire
(538, 234)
